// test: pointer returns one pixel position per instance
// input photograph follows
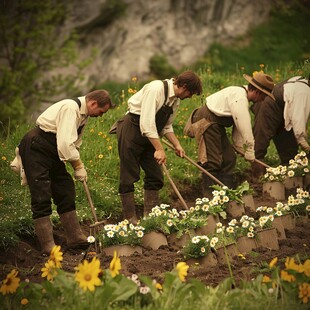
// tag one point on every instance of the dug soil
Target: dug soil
(154, 263)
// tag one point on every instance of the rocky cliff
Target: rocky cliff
(182, 30)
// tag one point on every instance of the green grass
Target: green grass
(100, 156)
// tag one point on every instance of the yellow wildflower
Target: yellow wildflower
(115, 265)
(291, 265)
(88, 274)
(56, 256)
(24, 301)
(158, 286)
(100, 156)
(273, 262)
(3, 158)
(110, 147)
(304, 292)
(287, 277)
(306, 267)
(182, 270)
(266, 279)
(10, 283)
(49, 271)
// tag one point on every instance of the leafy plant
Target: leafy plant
(120, 234)
(298, 166)
(199, 246)
(277, 174)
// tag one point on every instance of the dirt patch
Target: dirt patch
(154, 263)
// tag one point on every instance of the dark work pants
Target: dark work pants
(220, 154)
(46, 175)
(135, 152)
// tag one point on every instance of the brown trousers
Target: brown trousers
(46, 174)
(135, 152)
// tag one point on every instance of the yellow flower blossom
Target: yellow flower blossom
(88, 274)
(110, 147)
(285, 276)
(266, 279)
(56, 256)
(100, 156)
(24, 301)
(304, 292)
(182, 270)
(10, 283)
(291, 265)
(115, 265)
(306, 267)
(3, 158)
(273, 262)
(158, 286)
(49, 270)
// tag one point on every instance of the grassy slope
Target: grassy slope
(99, 150)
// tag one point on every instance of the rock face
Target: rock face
(182, 30)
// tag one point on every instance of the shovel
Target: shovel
(196, 165)
(174, 186)
(93, 227)
(256, 160)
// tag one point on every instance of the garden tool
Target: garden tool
(256, 160)
(198, 166)
(174, 186)
(93, 228)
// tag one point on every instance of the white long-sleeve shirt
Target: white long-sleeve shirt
(297, 107)
(146, 103)
(64, 118)
(232, 101)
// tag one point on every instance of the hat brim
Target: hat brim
(250, 80)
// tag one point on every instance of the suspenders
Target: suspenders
(77, 100)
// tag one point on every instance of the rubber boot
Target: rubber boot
(151, 198)
(75, 237)
(44, 230)
(128, 205)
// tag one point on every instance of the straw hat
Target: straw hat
(263, 82)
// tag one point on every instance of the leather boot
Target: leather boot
(75, 237)
(128, 205)
(151, 198)
(227, 179)
(44, 231)
(205, 186)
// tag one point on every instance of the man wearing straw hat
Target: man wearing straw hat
(283, 119)
(228, 107)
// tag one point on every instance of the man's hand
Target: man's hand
(80, 173)
(179, 150)
(304, 144)
(160, 157)
(249, 155)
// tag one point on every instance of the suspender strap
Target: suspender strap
(166, 90)
(77, 100)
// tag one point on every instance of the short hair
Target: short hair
(191, 81)
(102, 97)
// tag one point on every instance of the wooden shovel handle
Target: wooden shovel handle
(174, 186)
(198, 166)
(256, 160)
(90, 201)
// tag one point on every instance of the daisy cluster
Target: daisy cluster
(162, 219)
(121, 233)
(244, 227)
(199, 246)
(274, 174)
(300, 203)
(298, 166)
